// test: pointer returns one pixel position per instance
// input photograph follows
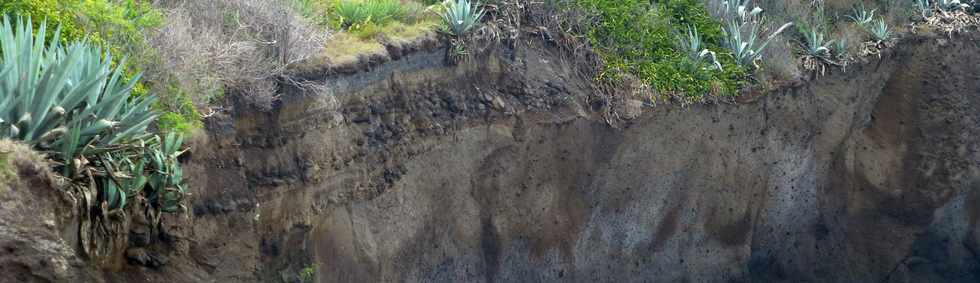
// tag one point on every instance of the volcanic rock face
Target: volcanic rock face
(513, 167)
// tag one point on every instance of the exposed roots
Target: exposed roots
(815, 64)
(952, 22)
(874, 48)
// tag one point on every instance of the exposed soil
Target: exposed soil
(34, 244)
(506, 169)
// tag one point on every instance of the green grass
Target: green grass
(637, 37)
(314, 10)
(350, 14)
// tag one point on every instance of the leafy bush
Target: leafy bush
(636, 37)
(307, 274)
(926, 7)
(461, 16)
(949, 5)
(116, 25)
(69, 101)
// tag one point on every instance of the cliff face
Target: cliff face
(505, 168)
(37, 222)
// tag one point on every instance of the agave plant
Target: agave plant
(950, 5)
(880, 30)
(840, 47)
(166, 184)
(151, 170)
(924, 7)
(748, 48)
(743, 31)
(67, 100)
(862, 16)
(739, 11)
(47, 87)
(461, 16)
(690, 43)
(816, 43)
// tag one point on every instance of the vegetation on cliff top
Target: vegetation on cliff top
(120, 27)
(69, 101)
(194, 52)
(639, 37)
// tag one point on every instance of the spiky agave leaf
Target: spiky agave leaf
(862, 16)
(690, 43)
(880, 30)
(47, 86)
(68, 100)
(950, 5)
(111, 194)
(816, 44)
(166, 187)
(746, 49)
(461, 16)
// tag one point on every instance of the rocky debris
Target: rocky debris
(145, 257)
(631, 109)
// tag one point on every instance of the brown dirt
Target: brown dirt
(33, 247)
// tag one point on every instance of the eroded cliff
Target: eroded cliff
(512, 167)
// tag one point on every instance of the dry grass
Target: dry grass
(345, 49)
(399, 33)
(208, 47)
(780, 63)
(349, 47)
(15, 155)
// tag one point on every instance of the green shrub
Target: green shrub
(637, 37)
(861, 15)
(307, 274)
(179, 114)
(117, 25)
